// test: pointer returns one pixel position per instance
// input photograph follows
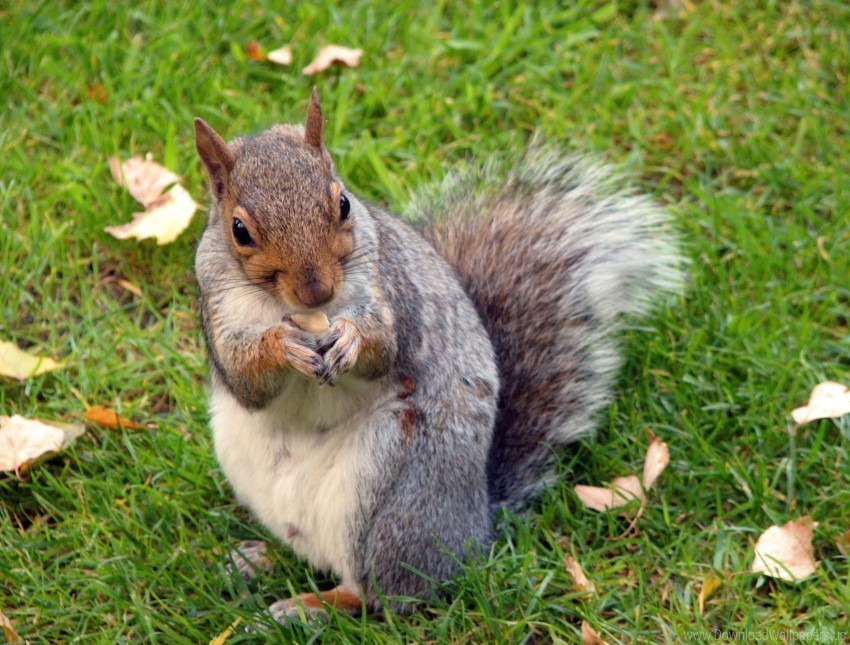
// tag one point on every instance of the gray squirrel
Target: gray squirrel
(455, 362)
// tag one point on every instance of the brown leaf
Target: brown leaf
(25, 442)
(96, 92)
(786, 551)
(280, 56)
(109, 418)
(710, 585)
(254, 51)
(843, 543)
(657, 458)
(333, 55)
(618, 493)
(582, 583)
(589, 636)
(9, 632)
(828, 400)
(16, 363)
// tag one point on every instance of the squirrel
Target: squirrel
(460, 353)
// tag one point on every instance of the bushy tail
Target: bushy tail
(552, 254)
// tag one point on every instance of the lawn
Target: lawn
(733, 114)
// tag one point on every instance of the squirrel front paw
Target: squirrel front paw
(298, 349)
(340, 347)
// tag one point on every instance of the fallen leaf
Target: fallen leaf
(657, 458)
(254, 51)
(331, 55)
(281, 56)
(165, 219)
(16, 363)
(109, 418)
(166, 215)
(618, 493)
(710, 586)
(96, 92)
(786, 551)
(144, 179)
(227, 633)
(843, 543)
(589, 636)
(24, 442)
(582, 583)
(828, 400)
(9, 631)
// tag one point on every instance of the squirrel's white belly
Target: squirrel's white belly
(295, 463)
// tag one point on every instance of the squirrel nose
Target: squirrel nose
(314, 293)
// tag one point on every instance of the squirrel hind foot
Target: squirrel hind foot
(249, 559)
(314, 606)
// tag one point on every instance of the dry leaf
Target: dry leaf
(786, 552)
(331, 55)
(166, 215)
(16, 363)
(254, 51)
(710, 586)
(657, 458)
(9, 632)
(582, 583)
(165, 220)
(281, 56)
(144, 179)
(828, 400)
(618, 493)
(589, 636)
(227, 633)
(843, 543)
(109, 418)
(313, 323)
(24, 442)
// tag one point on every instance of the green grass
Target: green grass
(733, 114)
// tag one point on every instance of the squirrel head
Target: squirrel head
(283, 212)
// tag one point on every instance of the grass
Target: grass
(733, 114)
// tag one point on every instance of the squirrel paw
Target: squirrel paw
(314, 606)
(249, 559)
(340, 347)
(299, 351)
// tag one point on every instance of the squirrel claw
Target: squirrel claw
(340, 347)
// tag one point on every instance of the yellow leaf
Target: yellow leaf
(710, 585)
(227, 633)
(16, 363)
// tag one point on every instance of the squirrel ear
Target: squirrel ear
(315, 122)
(217, 157)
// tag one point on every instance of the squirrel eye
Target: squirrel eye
(344, 208)
(240, 232)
